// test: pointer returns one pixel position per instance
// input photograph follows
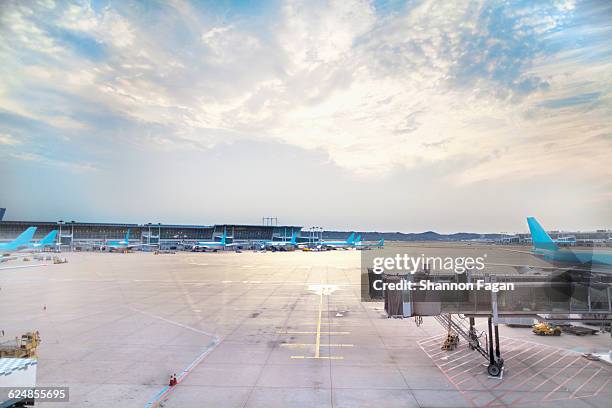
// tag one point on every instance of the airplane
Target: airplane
(124, 244)
(213, 246)
(21, 242)
(16, 245)
(364, 245)
(544, 247)
(280, 245)
(349, 243)
(47, 241)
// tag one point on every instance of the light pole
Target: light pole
(60, 222)
(159, 235)
(72, 235)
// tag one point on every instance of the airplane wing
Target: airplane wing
(140, 245)
(205, 246)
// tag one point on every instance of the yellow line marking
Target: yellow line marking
(319, 358)
(318, 341)
(322, 323)
(313, 344)
(310, 332)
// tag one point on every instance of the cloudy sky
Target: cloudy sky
(395, 116)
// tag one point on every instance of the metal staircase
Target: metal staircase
(469, 334)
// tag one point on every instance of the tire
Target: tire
(493, 370)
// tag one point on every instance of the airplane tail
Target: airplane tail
(539, 237)
(25, 237)
(351, 238)
(127, 236)
(49, 239)
(381, 243)
(358, 239)
(294, 238)
(223, 237)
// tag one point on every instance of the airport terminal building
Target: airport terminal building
(580, 238)
(88, 235)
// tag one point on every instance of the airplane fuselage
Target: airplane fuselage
(212, 246)
(564, 258)
(576, 256)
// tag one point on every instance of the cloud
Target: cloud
(570, 101)
(373, 87)
(8, 140)
(47, 161)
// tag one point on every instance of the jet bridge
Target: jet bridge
(562, 296)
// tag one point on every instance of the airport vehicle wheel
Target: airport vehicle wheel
(493, 370)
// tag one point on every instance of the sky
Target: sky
(385, 115)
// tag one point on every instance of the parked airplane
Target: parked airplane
(576, 260)
(47, 241)
(545, 247)
(365, 245)
(281, 245)
(123, 244)
(16, 245)
(21, 242)
(213, 246)
(349, 243)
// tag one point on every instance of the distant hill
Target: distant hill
(413, 236)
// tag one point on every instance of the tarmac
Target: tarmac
(285, 329)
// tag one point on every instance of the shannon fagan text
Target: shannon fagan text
(429, 285)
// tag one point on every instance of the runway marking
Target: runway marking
(319, 289)
(598, 390)
(187, 370)
(528, 366)
(523, 372)
(322, 323)
(579, 358)
(568, 379)
(467, 370)
(312, 332)
(585, 383)
(430, 340)
(297, 345)
(6, 268)
(184, 326)
(318, 341)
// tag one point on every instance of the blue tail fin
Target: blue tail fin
(49, 239)
(351, 238)
(127, 236)
(223, 237)
(358, 239)
(23, 240)
(294, 238)
(539, 237)
(25, 237)
(381, 243)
